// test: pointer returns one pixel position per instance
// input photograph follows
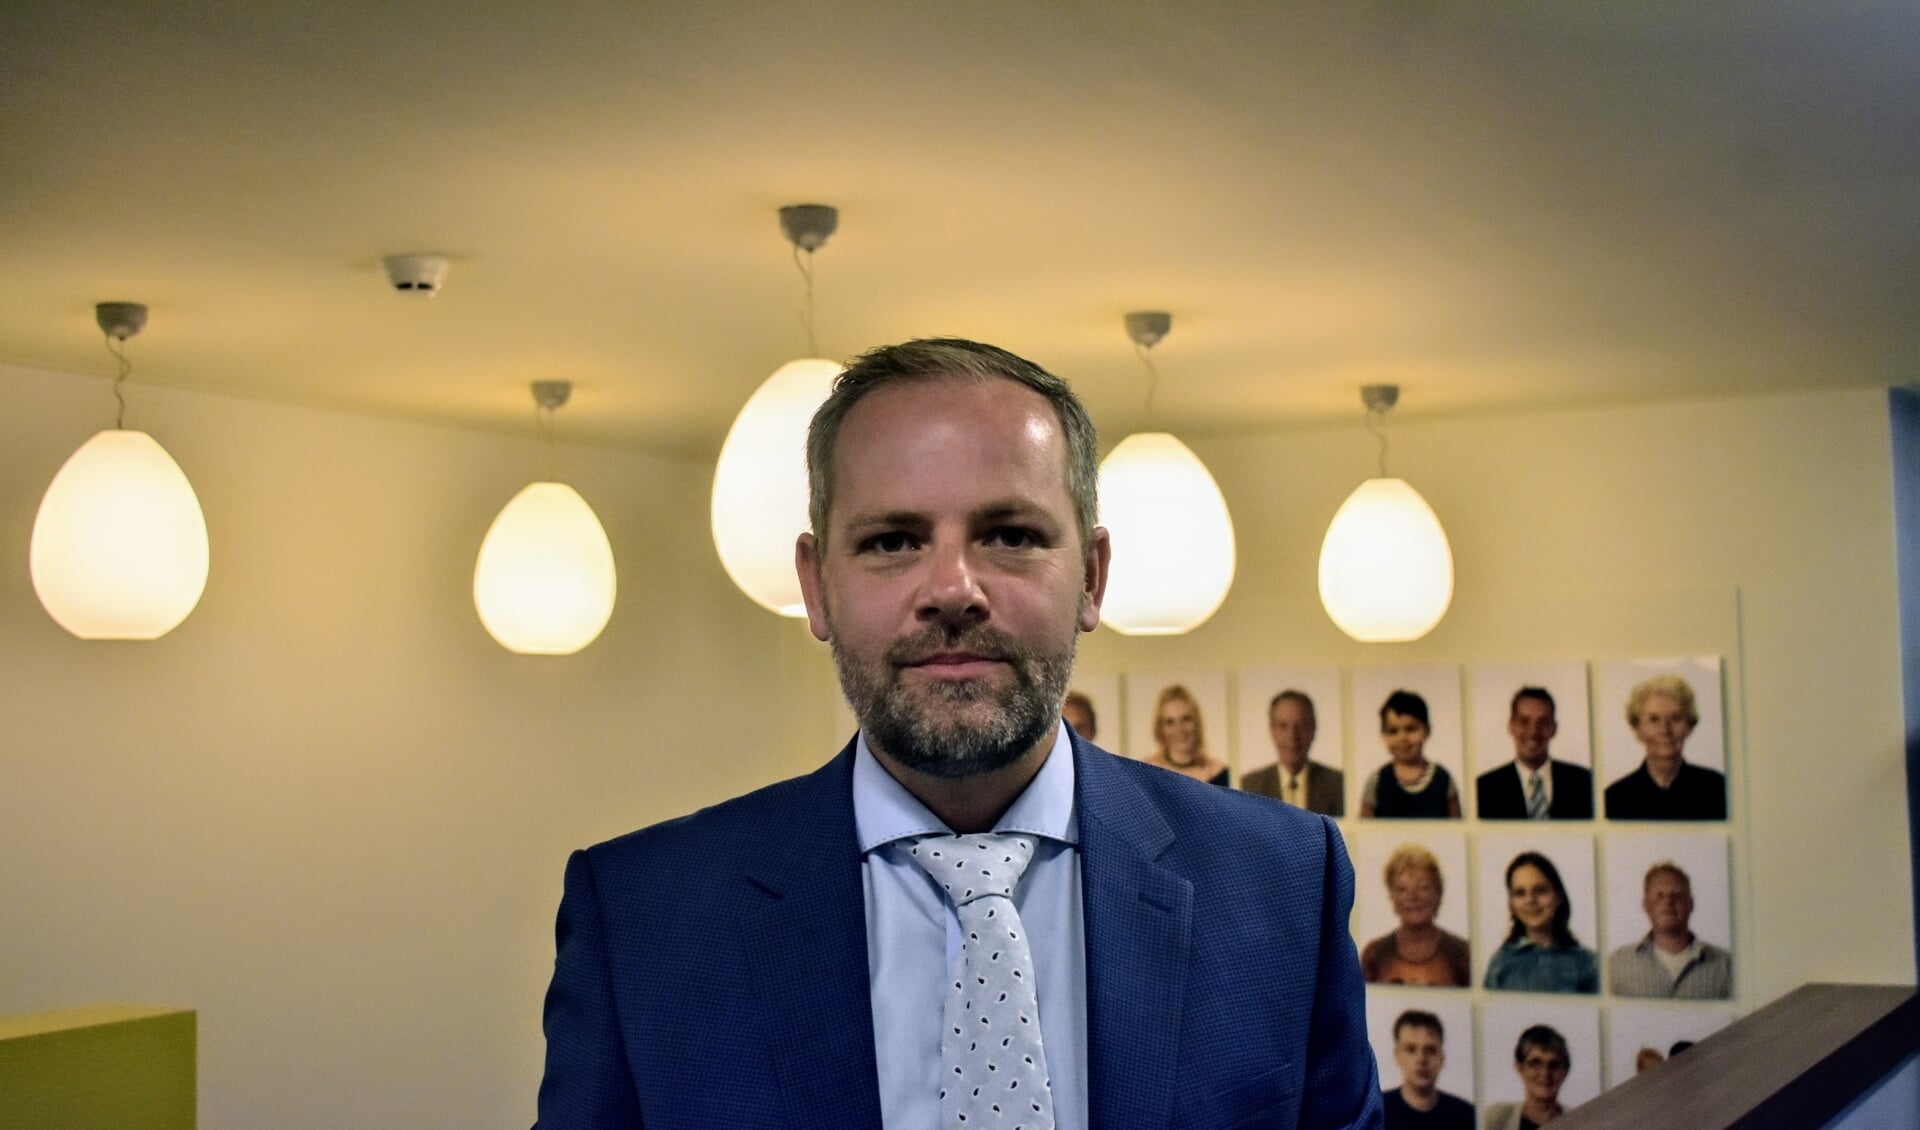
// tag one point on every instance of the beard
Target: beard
(960, 728)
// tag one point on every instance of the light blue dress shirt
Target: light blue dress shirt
(913, 937)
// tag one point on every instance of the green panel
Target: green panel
(106, 1068)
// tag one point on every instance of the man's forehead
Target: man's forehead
(913, 423)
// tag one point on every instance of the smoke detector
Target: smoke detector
(417, 274)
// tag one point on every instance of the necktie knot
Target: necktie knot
(976, 865)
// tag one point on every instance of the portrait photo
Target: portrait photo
(1536, 912)
(1638, 1033)
(1412, 918)
(1178, 720)
(1101, 693)
(1663, 743)
(1409, 759)
(1529, 723)
(1508, 1081)
(1669, 916)
(1454, 1013)
(1290, 736)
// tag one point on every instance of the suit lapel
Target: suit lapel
(806, 952)
(1319, 784)
(1138, 920)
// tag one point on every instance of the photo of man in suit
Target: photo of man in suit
(1534, 786)
(1297, 779)
(807, 955)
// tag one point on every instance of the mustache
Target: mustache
(979, 639)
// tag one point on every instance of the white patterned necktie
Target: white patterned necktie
(1536, 798)
(993, 1071)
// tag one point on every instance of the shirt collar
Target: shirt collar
(1690, 953)
(884, 811)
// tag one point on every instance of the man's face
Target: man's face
(1668, 902)
(1292, 730)
(1418, 1054)
(1532, 728)
(953, 584)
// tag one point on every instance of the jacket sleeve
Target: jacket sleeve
(588, 1084)
(1343, 1085)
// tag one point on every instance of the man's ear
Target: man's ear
(1094, 586)
(807, 563)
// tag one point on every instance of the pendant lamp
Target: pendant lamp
(760, 482)
(119, 548)
(1386, 570)
(1173, 547)
(544, 583)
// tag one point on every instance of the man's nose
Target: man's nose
(952, 586)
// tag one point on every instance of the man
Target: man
(1078, 712)
(1670, 961)
(796, 957)
(1533, 786)
(1295, 779)
(1418, 1103)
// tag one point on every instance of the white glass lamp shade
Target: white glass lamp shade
(760, 484)
(1173, 552)
(1386, 571)
(544, 584)
(120, 546)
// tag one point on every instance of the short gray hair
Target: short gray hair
(951, 357)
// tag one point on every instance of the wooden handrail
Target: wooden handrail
(1795, 1063)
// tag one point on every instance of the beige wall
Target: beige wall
(328, 811)
(331, 814)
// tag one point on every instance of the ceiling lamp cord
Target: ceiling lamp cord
(120, 378)
(1375, 421)
(1144, 351)
(805, 266)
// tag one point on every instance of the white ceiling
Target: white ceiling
(1495, 205)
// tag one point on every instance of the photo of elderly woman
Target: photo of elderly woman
(1541, 1059)
(1662, 711)
(1541, 954)
(1538, 1059)
(1409, 786)
(1417, 951)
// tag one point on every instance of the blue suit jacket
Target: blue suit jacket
(712, 970)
